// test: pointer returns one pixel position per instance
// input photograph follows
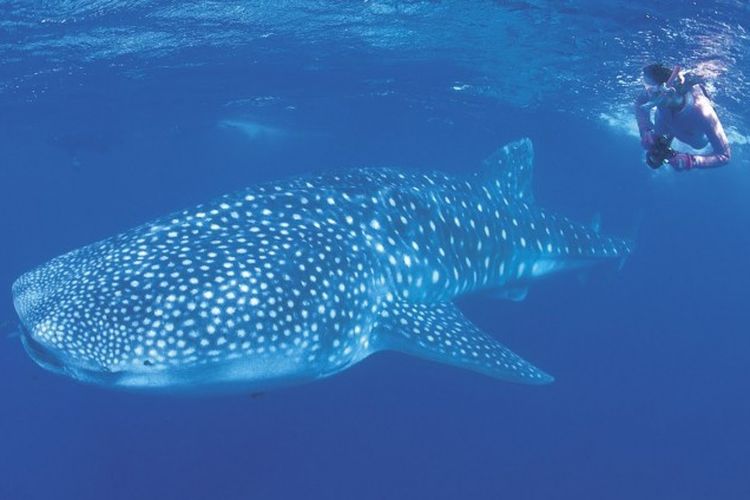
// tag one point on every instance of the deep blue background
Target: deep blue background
(651, 392)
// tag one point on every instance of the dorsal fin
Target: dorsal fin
(510, 168)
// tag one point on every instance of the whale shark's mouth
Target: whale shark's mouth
(198, 380)
(43, 356)
(57, 362)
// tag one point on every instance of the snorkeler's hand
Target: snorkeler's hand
(648, 139)
(682, 161)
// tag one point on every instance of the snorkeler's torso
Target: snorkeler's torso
(687, 124)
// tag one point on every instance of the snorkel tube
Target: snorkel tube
(665, 90)
(675, 73)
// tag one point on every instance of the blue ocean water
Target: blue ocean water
(115, 112)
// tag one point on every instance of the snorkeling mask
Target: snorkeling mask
(659, 94)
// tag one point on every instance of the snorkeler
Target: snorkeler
(683, 112)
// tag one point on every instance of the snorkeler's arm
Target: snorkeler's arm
(646, 129)
(715, 132)
(643, 114)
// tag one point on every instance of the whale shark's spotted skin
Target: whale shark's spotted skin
(297, 280)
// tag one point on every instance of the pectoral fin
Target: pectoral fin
(440, 332)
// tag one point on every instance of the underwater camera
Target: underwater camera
(659, 153)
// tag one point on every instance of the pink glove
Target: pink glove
(648, 139)
(682, 161)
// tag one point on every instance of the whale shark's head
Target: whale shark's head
(65, 331)
(83, 315)
(176, 306)
(103, 315)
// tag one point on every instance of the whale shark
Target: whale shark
(295, 280)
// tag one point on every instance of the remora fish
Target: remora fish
(297, 280)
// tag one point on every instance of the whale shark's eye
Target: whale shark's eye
(148, 362)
